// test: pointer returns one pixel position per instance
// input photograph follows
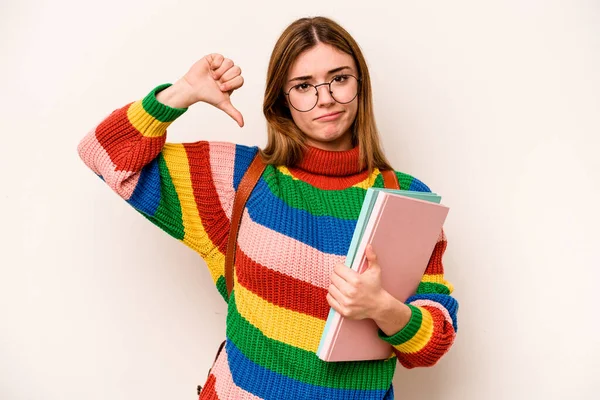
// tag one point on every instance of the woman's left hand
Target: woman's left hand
(354, 295)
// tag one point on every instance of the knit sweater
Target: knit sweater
(297, 224)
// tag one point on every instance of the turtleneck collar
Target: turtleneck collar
(330, 170)
(330, 163)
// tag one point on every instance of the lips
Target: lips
(328, 115)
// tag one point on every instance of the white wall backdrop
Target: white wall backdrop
(494, 104)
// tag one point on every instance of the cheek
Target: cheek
(305, 122)
(346, 122)
(300, 119)
(354, 111)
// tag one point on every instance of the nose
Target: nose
(325, 97)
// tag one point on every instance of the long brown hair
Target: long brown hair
(286, 142)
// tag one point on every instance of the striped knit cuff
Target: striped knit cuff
(158, 110)
(406, 333)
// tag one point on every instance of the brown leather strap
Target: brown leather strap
(245, 187)
(390, 180)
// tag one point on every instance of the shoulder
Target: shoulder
(410, 182)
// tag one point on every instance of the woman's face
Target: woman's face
(327, 125)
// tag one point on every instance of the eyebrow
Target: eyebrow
(307, 77)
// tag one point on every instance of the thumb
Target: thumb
(371, 257)
(231, 111)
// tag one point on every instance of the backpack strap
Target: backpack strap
(245, 187)
(390, 180)
(249, 180)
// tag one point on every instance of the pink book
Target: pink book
(403, 231)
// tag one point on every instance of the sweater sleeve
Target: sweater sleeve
(432, 327)
(186, 189)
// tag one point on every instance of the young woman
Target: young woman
(322, 154)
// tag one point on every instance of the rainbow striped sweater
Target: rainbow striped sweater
(297, 225)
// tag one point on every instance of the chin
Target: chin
(328, 137)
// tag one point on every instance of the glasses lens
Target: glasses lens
(344, 88)
(303, 97)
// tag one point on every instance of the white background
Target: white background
(495, 105)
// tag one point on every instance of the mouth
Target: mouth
(328, 116)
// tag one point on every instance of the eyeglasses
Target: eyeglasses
(304, 96)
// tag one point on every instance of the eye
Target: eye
(302, 87)
(340, 78)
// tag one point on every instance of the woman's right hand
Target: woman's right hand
(212, 80)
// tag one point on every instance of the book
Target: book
(403, 227)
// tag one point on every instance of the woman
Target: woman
(322, 154)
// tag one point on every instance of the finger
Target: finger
(232, 112)
(346, 273)
(214, 60)
(370, 253)
(225, 65)
(337, 295)
(334, 304)
(231, 73)
(232, 85)
(342, 286)
(371, 256)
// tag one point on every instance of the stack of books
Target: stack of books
(403, 227)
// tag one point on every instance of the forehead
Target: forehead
(318, 60)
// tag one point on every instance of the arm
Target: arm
(186, 189)
(122, 146)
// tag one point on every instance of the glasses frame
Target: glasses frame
(316, 87)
